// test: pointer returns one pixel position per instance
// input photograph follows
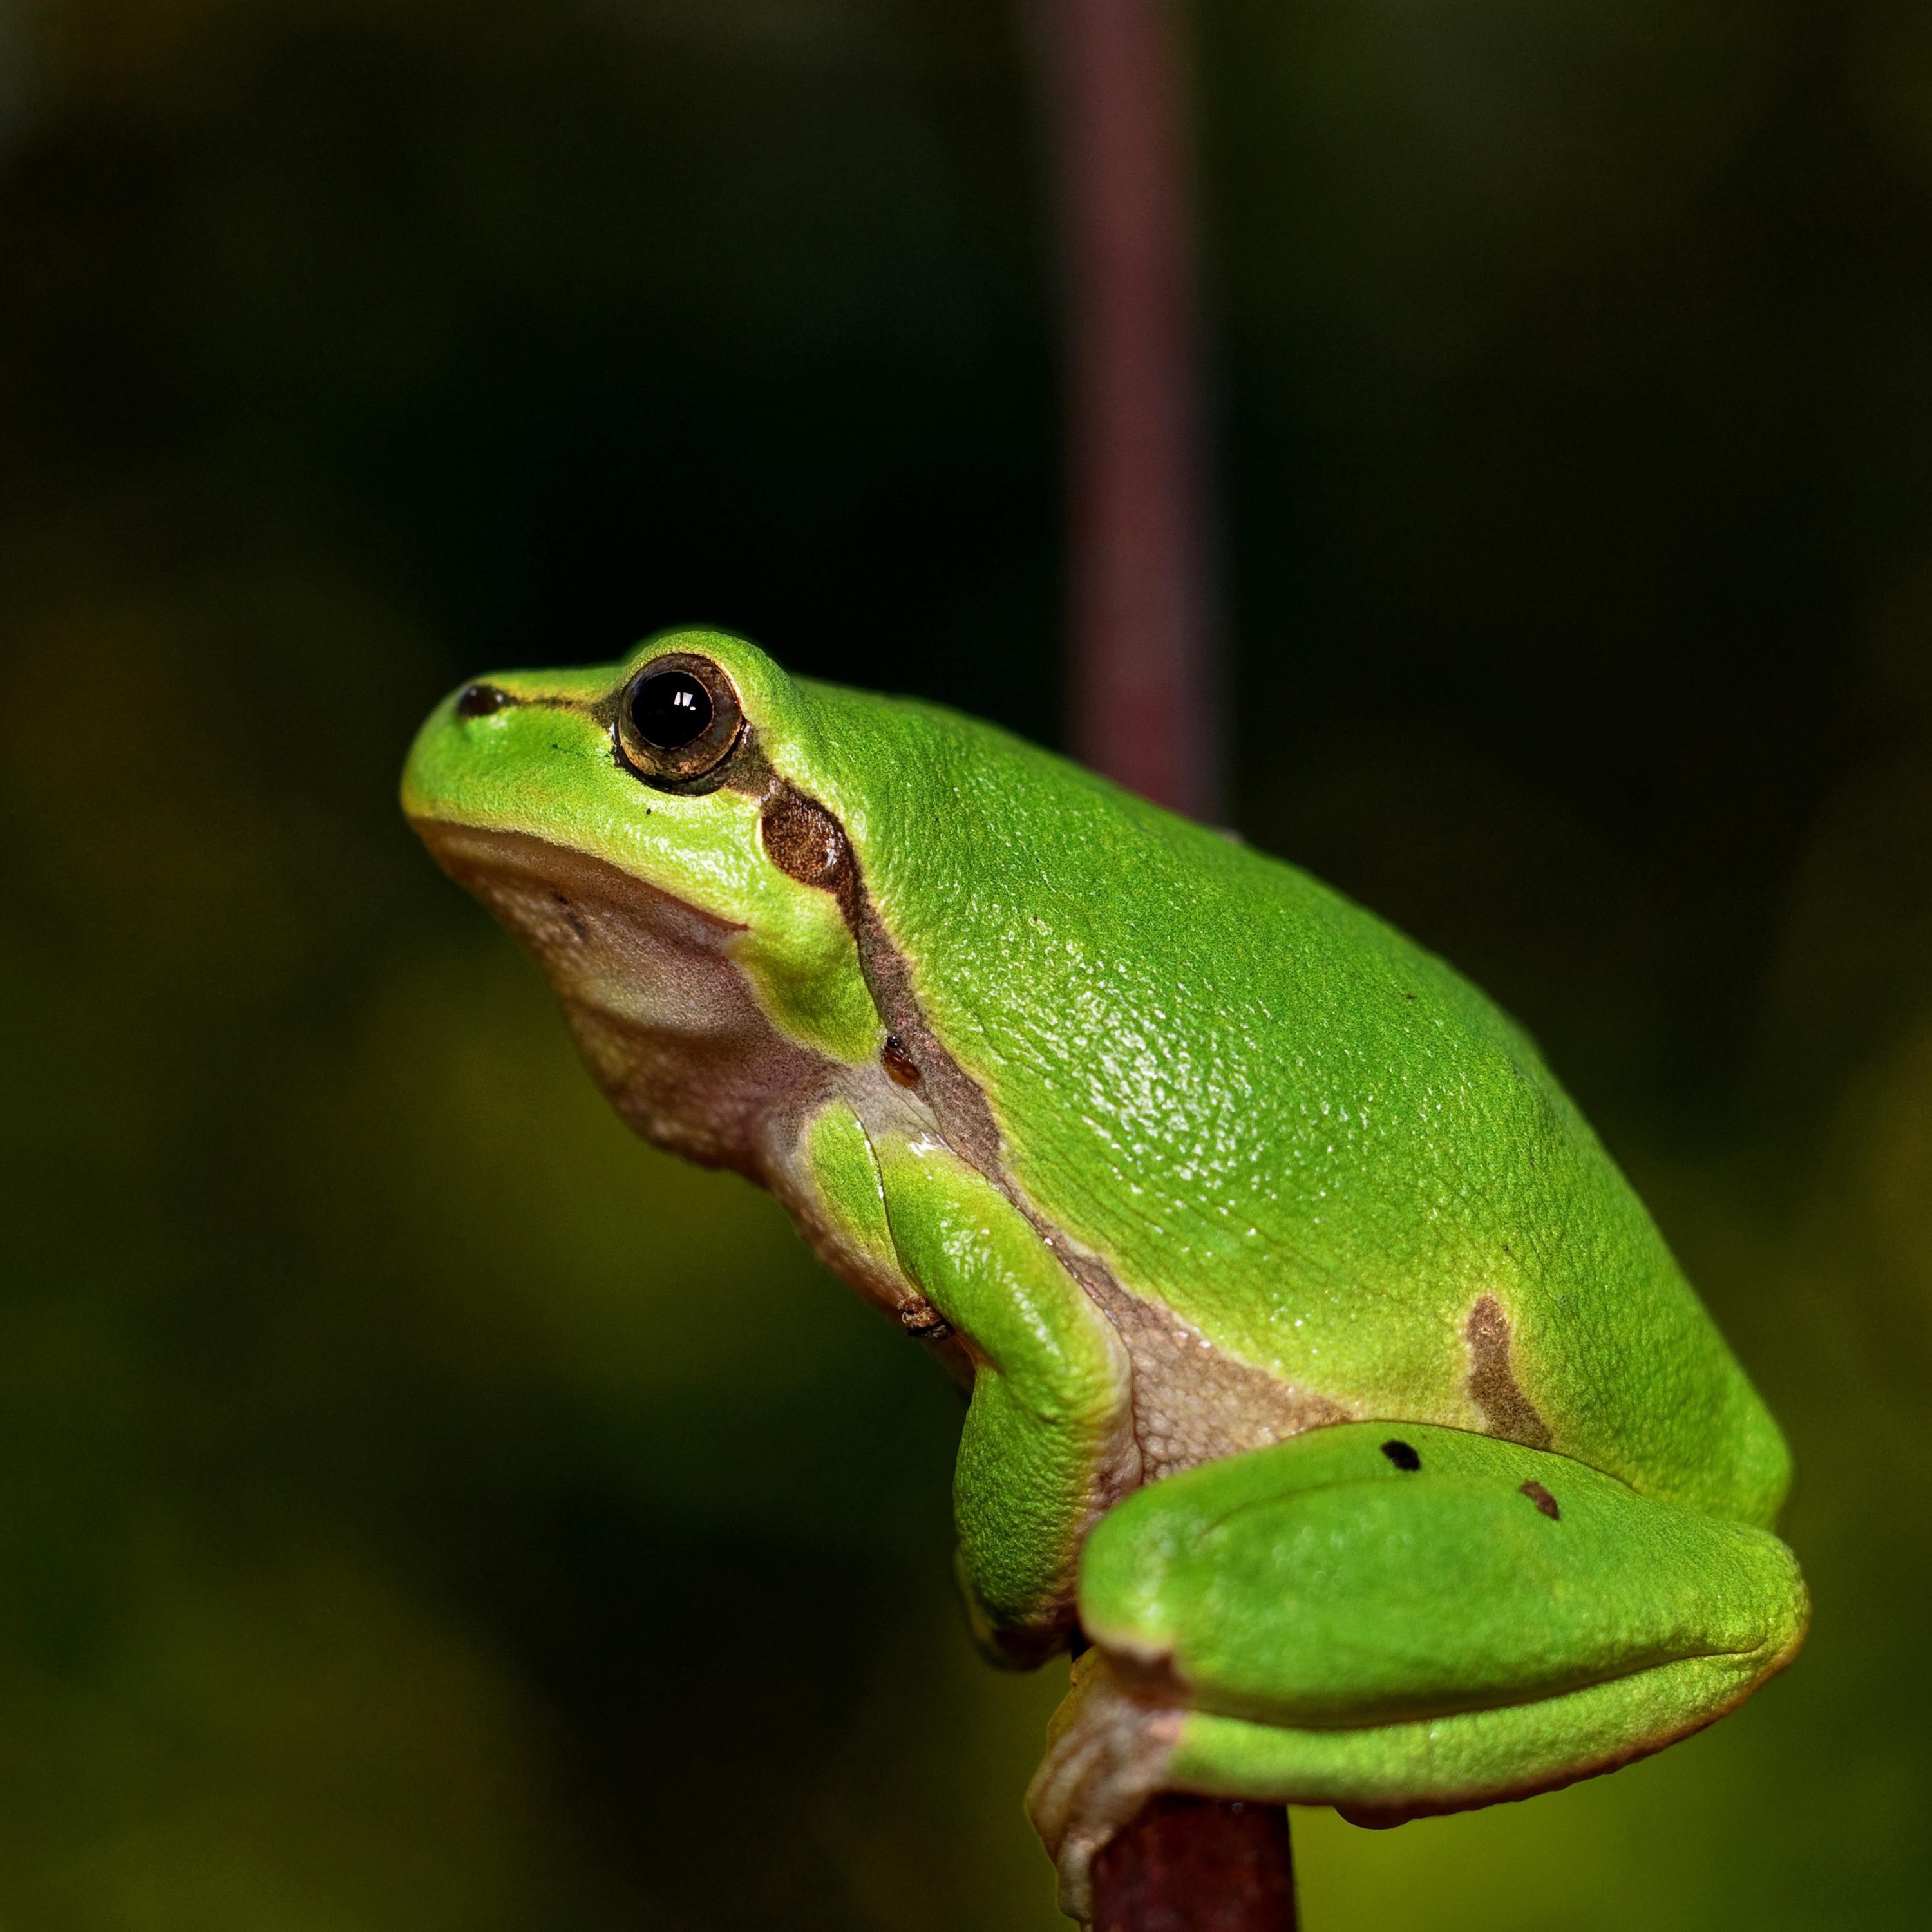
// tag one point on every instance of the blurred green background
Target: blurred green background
(422, 1506)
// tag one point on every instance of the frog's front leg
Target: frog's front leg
(1396, 1620)
(1049, 1442)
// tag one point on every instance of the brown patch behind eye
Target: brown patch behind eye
(1543, 1499)
(1507, 1412)
(805, 840)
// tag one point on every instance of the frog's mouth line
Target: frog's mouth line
(481, 858)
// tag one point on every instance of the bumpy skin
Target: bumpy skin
(1190, 1168)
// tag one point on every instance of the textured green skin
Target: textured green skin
(1308, 1139)
(1209, 1068)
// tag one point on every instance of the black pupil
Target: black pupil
(671, 710)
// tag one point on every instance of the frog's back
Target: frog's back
(1268, 1111)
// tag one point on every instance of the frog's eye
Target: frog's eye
(679, 720)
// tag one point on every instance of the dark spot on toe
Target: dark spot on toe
(1544, 1500)
(478, 700)
(1402, 1455)
(899, 1063)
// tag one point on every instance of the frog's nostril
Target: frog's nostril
(478, 700)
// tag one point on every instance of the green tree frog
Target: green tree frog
(1332, 1398)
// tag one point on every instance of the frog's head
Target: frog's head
(660, 833)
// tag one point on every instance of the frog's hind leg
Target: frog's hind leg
(1397, 1620)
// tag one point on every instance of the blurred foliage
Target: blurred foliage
(423, 1507)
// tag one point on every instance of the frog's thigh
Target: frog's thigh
(1048, 1441)
(1318, 1623)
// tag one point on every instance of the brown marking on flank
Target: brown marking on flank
(808, 843)
(955, 1096)
(1543, 1499)
(1192, 1402)
(1507, 1412)
(897, 1062)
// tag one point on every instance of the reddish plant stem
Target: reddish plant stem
(1145, 692)
(1145, 684)
(1197, 1864)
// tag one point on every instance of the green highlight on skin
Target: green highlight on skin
(848, 1179)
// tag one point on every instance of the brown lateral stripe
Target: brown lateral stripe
(808, 843)
(1507, 1412)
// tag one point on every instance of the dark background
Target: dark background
(422, 1507)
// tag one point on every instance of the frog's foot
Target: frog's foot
(1396, 1620)
(1107, 1754)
